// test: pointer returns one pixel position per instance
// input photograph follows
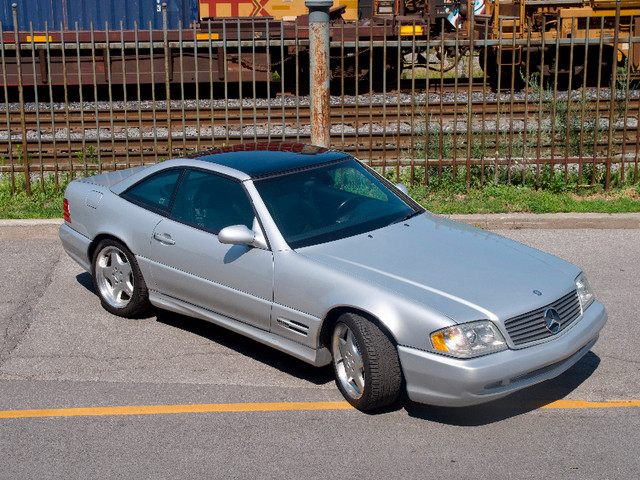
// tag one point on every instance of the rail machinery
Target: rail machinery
(74, 42)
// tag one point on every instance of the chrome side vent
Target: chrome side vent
(297, 327)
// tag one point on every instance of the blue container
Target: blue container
(68, 12)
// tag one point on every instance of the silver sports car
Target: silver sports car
(310, 251)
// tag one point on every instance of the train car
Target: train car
(543, 35)
(65, 14)
(568, 40)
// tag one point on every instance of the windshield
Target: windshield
(330, 202)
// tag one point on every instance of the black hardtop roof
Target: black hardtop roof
(270, 158)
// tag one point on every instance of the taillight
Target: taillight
(66, 214)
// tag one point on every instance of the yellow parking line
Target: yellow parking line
(254, 407)
(583, 404)
(158, 409)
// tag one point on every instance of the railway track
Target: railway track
(234, 116)
(378, 131)
(378, 148)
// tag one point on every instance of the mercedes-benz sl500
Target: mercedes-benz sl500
(312, 252)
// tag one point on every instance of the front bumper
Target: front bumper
(439, 380)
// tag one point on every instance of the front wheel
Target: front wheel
(365, 362)
(118, 281)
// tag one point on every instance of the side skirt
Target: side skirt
(317, 357)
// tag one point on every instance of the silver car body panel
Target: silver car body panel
(237, 279)
(412, 278)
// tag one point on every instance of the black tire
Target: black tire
(118, 281)
(365, 362)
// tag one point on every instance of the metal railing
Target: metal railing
(419, 108)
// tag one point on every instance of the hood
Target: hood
(463, 272)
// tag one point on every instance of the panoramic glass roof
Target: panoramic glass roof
(273, 157)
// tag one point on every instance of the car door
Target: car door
(190, 264)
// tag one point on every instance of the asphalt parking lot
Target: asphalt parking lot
(172, 397)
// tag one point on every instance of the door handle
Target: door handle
(164, 238)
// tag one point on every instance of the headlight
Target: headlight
(585, 294)
(469, 339)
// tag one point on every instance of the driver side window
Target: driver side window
(211, 202)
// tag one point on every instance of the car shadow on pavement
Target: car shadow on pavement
(518, 403)
(239, 343)
(248, 347)
(86, 281)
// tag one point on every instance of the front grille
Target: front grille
(530, 327)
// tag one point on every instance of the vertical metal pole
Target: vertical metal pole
(226, 79)
(567, 139)
(341, 85)
(454, 146)
(168, 58)
(138, 88)
(65, 87)
(197, 84)
(153, 92)
(371, 50)
(596, 131)
(81, 98)
(211, 105)
(282, 60)
(298, 84)
(6, 110)
(554, 106)
(123, 59)
(254, 82)
(498, 91)
(181, 56)
(36, 98)
(23, 124)
(613, 98)
(583, 99)
(427, 51)
(51, 107)
(470, 95)
(109, 80)
(319, 71)
(483, 144)
(240, 95)
(269, 74)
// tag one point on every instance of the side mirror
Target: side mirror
(402, 187)
(241, 235)
(236, 235)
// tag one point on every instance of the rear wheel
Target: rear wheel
(365, 362)
(118, 281)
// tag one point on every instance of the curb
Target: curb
(551, 221)
(48, 228)
(32, 228)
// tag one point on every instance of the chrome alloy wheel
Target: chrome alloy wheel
(114, 276)
(348, 361)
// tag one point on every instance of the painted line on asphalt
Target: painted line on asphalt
(159, 409)
(584, 404)
(256, 407)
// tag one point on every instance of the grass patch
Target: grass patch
(43, 203)
(444, 199)
(510, 198)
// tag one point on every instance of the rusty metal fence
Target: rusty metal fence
(419, 108)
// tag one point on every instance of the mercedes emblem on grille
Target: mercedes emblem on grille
(552, 320)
